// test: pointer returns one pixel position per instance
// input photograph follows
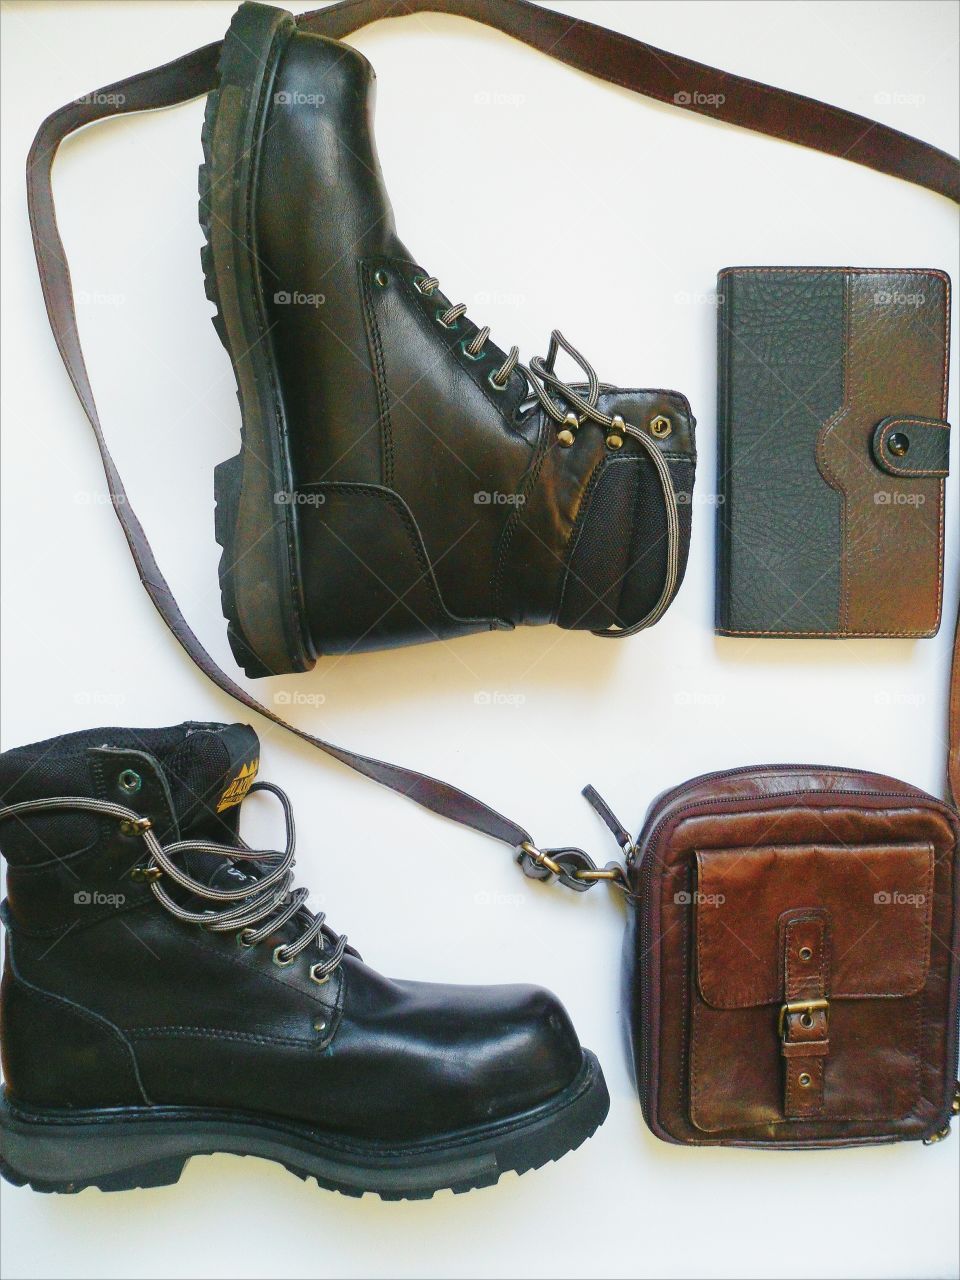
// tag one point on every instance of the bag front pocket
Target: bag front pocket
(810, 962)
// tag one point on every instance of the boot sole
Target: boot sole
(68, 1151)
(260, 580)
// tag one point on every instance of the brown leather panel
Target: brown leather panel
(873, 1073)
(878, 899)
(734, 1068)
(895, 364)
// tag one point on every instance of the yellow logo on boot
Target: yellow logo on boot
(238, 787)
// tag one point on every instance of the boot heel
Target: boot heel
(256, 523)
(226, 487)
(66, 1158)
(161, 1173)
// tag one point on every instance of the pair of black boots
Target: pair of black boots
(166, 990)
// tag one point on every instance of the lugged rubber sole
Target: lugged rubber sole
(256, 523)
(117, 1149)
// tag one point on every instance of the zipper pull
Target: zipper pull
(945, 1131)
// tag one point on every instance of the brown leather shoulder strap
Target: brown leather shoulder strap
(668, 77)
(953, 731)
(607, 54)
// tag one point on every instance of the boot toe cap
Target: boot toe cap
(536, 1055)
(425, 1058)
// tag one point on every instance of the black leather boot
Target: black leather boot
(166, 993)
(400, 478)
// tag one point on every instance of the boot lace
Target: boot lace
(254, 910)
(570, 405)
(540, 373)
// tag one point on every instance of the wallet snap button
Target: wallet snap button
(898, 444)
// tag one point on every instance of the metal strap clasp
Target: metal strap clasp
(572, 867)
(801, 1006)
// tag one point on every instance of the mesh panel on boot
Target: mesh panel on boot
(193, 769)
(604, 546)
(198, 772)
(643, 584)
(193, 757)
(619, 561)
(61, 767)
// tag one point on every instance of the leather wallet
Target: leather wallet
(833, 451)
(792, 960)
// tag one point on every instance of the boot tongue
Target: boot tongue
(209, 774)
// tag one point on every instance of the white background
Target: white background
(541, 198)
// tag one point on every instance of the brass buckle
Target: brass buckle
(800, 1006)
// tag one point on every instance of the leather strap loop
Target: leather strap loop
(609, 55)
(912, 448)
(805, 1015)
(953, 729)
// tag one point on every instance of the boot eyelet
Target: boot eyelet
(130, 782)
(661, 427)
(145, 875)
(135, 827)
(280, 958)
(441, 312)
(418, 283)
(244, 936)
(497, 386)
(617, 427)
(381, 278)
(471, 355)
(319, 978)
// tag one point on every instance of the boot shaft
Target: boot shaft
(70, 868)
(420, 483)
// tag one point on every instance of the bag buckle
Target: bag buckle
(801, 1007)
